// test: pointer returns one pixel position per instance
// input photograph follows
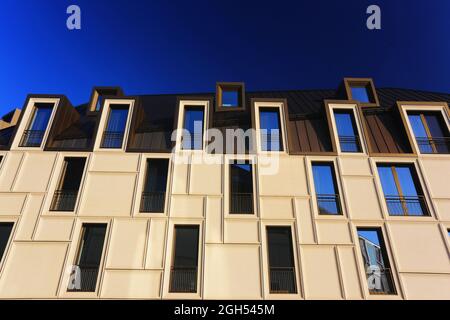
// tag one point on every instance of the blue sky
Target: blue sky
(186, 46)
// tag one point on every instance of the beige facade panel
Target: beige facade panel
(419, 247)
(333, 232)
(443, 208)
(156, 244)
(33, 270)
(437, 173)
(362, 200)
(54, 229)
(28, 220)
(34, 173)
(276, 208)
(426, 286)
(306, 229)
(8, 170)
(180, 178)
(206, 178)
(186, 206)
(214, 220)
(355, 166)
(108, 194)
(124, 162)
(241, 231)
(11, 204)
(131, 284)
(228, 267)
(349, 270)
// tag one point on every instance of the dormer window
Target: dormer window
(115, 127)
(35, 132)
(230, 96)
(361, 90)
(98, 96)
(431, 132)
(193, 126)
(360, 94)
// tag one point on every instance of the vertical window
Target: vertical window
(5, 233)
(84, 274)
(270, 125)
(34, 134)
(66, 194)
(326, 188)
(154, 193)
(359, 93)
(281, 260)
(430, 131)
(183, 276)
(193, 126)
(376, 262)
(115, 127)
(402, 190)
(347, 131)
(241, 187)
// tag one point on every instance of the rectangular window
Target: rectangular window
(376, 262)
(270, 126)
(34, 134)
(347, 130)
(281, 260)
(230, 96)
(84, 274)
(5, 233)
(241, 187)
(360, 94)
(326, 188)
(402, 190)
(66, 194)
(430, 131)
(183, 276)
(193, 126)
(154, 192)
(115, 127)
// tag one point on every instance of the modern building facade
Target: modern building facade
(302, 194)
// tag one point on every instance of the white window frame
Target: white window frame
(180, 124)
(270, 104)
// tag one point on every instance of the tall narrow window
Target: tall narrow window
(193, 126)
(241, 187)
(349, 140)
(281, 260)
(430, 131)
(85, 273)
(183, 276)
(115, 127)
(34, 134)
(154, 193)
(5, 233)
(326, 188)
(402, 190)
(270, 125)
(376, 262)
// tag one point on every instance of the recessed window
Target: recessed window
(230, 96)
(281, 260)
(84, 274)
(34, 134)
(99, 94)
(5, 233)
(241, 187)
(183, 275)
(193, 128)
(154, 193)
(376, 263)
(359, 93)
(270, 127)
(349, 140)
(361, 90)
(66, 194)
(430, 131)
(402, 190)
(115, 126)
(327, 193)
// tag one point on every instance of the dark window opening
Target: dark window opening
(183, 274)
(115, 127)
(402, 190)
(5, 233)
(84, 274)
(154, 194)
(66, 194)
(281, 260)
(347, 131)
(270, 126)
(34, 134)
(430, 131)
(327, 193)
(376, 263)
(193, 128)
(241, 187)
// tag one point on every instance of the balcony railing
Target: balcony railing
(64, 200)
(282, 280)
(350, 143)
(241, 203)
(406, 206)
(183, 279)
(32, 138)
(112, 139)
(328, 204)
(152, 201)
(83, 279)
(434, 144)
(380, 281)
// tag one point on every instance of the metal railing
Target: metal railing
(112, 139)
(406, 206)
(64, 200)
(152, 201)
(85, 279)
(282, 280)
(380, 281)
(241, 203)
(183, 279)
(32, 138)
(434, 144)
(350, 143)
(328, 204)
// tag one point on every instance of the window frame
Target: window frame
(225, 86)
(105, 92)
(362, 82)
